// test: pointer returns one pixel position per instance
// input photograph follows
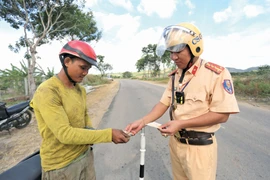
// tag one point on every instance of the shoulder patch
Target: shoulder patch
(173, 72)
(227, 85)
(214, 67)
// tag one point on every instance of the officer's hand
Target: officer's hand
(135, 127)
(118, 136)
(170, 128)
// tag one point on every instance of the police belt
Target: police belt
(195, 137)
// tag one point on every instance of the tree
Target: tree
(127, 74)
(44, 21)
(4, 82)
(263, 69)
(42, 75)
(50, 73)
(13, 78)
(167, 62)
(103, 67)
(141, 65)
(149, 61)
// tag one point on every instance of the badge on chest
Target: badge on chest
(180, 97)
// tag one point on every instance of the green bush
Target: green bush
(265, 89)
(253, 85)
(94, 80)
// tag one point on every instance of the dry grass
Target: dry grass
(99, 101)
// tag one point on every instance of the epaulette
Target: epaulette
(173, 72)
(214, 67)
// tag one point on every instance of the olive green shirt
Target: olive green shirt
(61, 115)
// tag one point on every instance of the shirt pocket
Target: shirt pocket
(195, 97)
(195, 104)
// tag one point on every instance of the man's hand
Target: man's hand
(170, 128)
(135, 127)
(119, 136)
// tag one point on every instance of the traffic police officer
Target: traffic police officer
(200, 95)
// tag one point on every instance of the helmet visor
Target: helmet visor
(173, 39)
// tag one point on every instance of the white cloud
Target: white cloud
(123, 42)
(124, 54)
(91, 3)
(222, 15)
(190, 6)
(117, 27)
(48, 53)
(8, 36)
(122, 3)
(164, 9)
(238, 9)
(123, 38)
(253, 10)
(241, 49)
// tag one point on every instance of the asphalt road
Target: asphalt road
(243, 142)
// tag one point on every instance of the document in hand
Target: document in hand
(128, 133)
(154, 124)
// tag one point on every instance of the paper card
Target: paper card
(154, 124)
(128, 133)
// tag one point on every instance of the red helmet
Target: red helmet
(79, 49)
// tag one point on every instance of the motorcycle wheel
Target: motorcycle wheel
(24, 120)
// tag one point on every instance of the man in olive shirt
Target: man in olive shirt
(60, 108)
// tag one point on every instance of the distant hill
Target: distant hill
(242, 70)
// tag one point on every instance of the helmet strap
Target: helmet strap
(69, 78)
(190, 63)
(66, 72)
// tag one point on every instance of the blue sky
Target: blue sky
(236, 32)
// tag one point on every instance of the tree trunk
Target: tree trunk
(31, 79)
(32, 85)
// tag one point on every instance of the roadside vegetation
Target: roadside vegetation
(253, 86)
(14, 86)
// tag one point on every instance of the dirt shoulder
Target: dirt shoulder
(21, 143)
(99, 101)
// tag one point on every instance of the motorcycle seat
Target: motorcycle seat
(27, 169)
(17, 107)
(2, 104)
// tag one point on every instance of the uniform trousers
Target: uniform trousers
(193, 162)
(82, 168)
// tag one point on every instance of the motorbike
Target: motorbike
(18, 115)
(27, 169)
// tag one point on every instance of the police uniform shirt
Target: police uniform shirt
(207, 87)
